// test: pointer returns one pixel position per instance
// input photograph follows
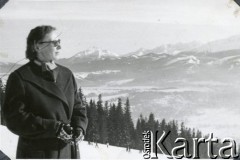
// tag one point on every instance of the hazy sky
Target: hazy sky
(120, 26)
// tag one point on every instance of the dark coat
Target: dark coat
(34, 105)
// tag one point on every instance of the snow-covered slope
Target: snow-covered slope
(8, 144)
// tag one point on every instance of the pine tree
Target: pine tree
(193, 133)
(143, 122)
(139, 131)
(87, 135)
(82, 97)
(182, 130)
(163, 126)
(199, 134)
(92, 131)
(129, 133)
(189, 139)
(120, 125)
(112, 125)
(100, 118)
(167, 127)
(157, 125)
(106, 109)
(174, 132)
(106, 115)
(151, 123)
(101, 121)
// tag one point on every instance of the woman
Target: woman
(42, 105)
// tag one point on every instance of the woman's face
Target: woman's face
(48, 48)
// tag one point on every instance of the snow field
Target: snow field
(8, 145)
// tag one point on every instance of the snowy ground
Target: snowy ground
(8, 143)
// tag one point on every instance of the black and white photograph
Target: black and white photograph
(120, 79)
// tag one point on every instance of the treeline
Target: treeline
(112, 123)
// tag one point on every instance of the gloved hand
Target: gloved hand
(65, 132)
(78, 134)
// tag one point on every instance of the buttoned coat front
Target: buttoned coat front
(34, 106)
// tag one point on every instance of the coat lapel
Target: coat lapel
(48, 86)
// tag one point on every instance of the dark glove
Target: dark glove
(65, 132)
(78, 134)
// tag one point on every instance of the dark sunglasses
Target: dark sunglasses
(55, 42)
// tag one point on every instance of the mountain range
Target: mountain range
(173, 62)
(193, 55)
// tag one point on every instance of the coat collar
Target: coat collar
(46, 66)
(32, 74)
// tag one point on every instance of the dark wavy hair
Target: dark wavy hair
(36, 35)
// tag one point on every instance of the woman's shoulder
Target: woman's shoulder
(17, 74)
(22, 69)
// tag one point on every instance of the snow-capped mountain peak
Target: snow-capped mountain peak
(170, 49)
(138, 53)
(95, 52)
